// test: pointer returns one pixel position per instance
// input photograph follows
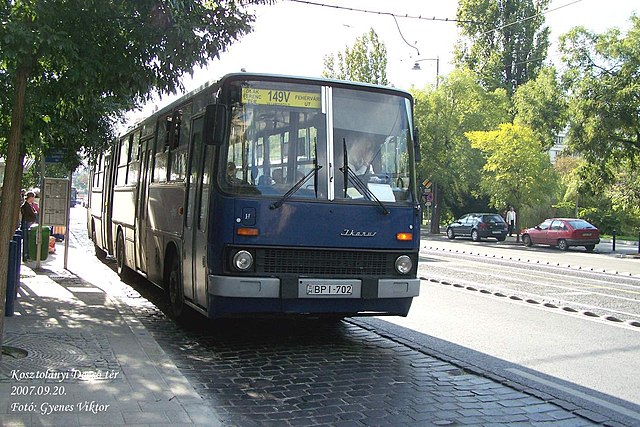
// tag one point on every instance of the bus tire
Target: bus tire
(100, 254)
(123, 271)
(175, 289)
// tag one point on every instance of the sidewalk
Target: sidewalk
(80, 357)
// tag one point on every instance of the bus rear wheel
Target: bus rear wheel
(100, 254)
(123, 271)
(175, 290)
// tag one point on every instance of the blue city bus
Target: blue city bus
(267, 195)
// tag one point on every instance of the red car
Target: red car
(563, 232)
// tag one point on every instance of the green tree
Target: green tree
(602, 80)
(540, 105)
(517, 171)
(504, 41)
(444, 114)
(66, 67)
(365, 61)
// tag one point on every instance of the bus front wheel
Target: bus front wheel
(174, 288)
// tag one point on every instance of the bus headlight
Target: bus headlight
(403, 264)
(243, 260)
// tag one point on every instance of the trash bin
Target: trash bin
(44, 250)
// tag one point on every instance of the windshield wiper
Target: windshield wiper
(350, 175)
(295, 188)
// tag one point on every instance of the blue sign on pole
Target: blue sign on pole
(54, 158)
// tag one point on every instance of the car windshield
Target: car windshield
(545, 225)
(493, 218)
(579, 224)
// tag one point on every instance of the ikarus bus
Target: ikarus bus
(263, 194)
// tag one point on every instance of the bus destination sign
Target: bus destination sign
(285, 98)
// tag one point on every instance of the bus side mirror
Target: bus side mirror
(215, 118)
(416, 142)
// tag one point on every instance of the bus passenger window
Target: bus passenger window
(178, 170)
(160, 169)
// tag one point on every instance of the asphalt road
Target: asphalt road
(567, 321)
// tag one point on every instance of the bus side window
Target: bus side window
(179, 146)
(123, 160)
(134, 159)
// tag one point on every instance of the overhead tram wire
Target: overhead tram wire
(531, 17)
(420, 17)
(375, 12)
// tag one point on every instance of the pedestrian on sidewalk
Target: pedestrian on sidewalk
(511, 220)
(29, 216)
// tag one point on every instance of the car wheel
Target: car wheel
(450, 234)
(174, 288)
(562, 245)
(526, 239)
(501, 239)
(475, 236)
(590, 248)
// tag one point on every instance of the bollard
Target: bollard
(613, 233)
(638, 241)
(11, 280)
(18, 239)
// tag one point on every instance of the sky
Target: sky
(293, 38)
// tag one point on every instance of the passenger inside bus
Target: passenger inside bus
(278, 177)
(231, 174)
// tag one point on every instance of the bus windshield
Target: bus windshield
(326, 143)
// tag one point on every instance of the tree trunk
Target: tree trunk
(435, 209)
(11, 186)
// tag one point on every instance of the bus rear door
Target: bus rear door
(142, 256)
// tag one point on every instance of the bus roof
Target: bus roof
(214, 85)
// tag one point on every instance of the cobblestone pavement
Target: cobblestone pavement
(295, 372)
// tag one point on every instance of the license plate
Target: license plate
(586, 234)
(497, 232)
(329, 288)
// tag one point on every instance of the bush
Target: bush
(605, 220)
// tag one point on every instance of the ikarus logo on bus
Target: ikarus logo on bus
(353, 233)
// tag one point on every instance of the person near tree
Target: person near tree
(29, 216)
(511, 219)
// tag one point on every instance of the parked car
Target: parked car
(478, 226)
(563, 233)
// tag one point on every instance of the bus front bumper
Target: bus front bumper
(269, 287)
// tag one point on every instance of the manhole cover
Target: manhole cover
(41, 352)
